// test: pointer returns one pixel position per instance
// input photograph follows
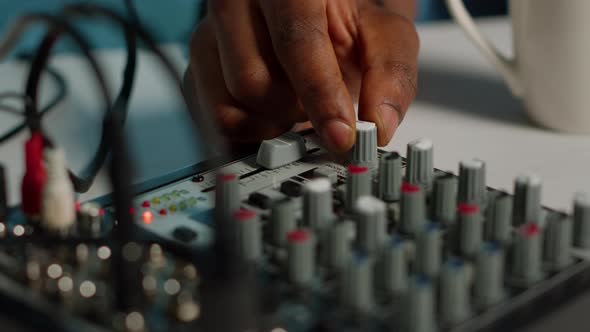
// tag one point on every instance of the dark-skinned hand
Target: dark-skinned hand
(262, 66)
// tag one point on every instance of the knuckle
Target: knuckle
(250, 84)
(300, 30)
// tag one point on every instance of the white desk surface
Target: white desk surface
(463, 106)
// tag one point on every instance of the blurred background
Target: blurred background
(172, 20)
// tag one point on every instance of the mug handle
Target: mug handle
(507, 67)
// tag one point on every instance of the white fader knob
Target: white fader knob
(364, 152)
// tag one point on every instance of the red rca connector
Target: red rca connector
(34, 178)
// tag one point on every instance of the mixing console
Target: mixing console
(379, 243)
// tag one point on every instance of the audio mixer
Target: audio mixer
(377, 243)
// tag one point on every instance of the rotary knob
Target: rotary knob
(364, 152)
(419, 169)
(390, 177)
(317, 203)
(472, 182)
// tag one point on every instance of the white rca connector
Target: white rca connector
(58, 209)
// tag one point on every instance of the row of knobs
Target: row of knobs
(539, 242)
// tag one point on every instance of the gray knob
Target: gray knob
(526, 263)
(582, 220)
(419, 306)
(444, 196)
(558, 241)
(395, 267)
(301, 266)
(419, 169)
(454, 287)
(317, 204)
(472, 182)
(358, 184)
(227, 196)
(527, 200)
(364, 152)
(358, 283)
(249, 235)
(489, 276)
(429, 251)
(90, 220)
(371, 223)
(499, 214)
(390, 177)
(413, 209)
(339, 243)
(283, 217)
(470, 229)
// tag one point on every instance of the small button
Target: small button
(156, 200)
(183, 205)
(291, 189)
(184, 234)
(260, 200)
(163, 212)
(146, 204)
(173, 208)
(166, 198)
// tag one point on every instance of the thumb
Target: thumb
(389, 57)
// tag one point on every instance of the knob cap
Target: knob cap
(454, 299)
(582, 220)
(472, 182)
(317, 203)
(390, 177)
(526, 263)
(419, 169)
(527, 200)
(227, 196)
(339, 243)
(249, 235)
(395, 267)
(429, 250)
(371, 223)
(489, 275)
(358, 184)
(413, 209)
(364, 152)
(558, 241)
(283, 217)
(444, 196)
(419, 306)
(301, 266)
(499, 214)
(358, 283)
(470, 229)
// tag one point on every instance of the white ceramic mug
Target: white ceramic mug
(551, 67)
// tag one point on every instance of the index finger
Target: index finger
(299, 33)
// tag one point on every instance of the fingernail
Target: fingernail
(337, 135)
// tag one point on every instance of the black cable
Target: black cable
(61, 94)
(83, 182)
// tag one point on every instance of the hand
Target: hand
(262, 66)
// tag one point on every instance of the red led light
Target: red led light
(131, 210)
(163, 212)
(146, 204)
(467, 209)
(354, 169)
(102, 212)
(147, 217)
(409, 188)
